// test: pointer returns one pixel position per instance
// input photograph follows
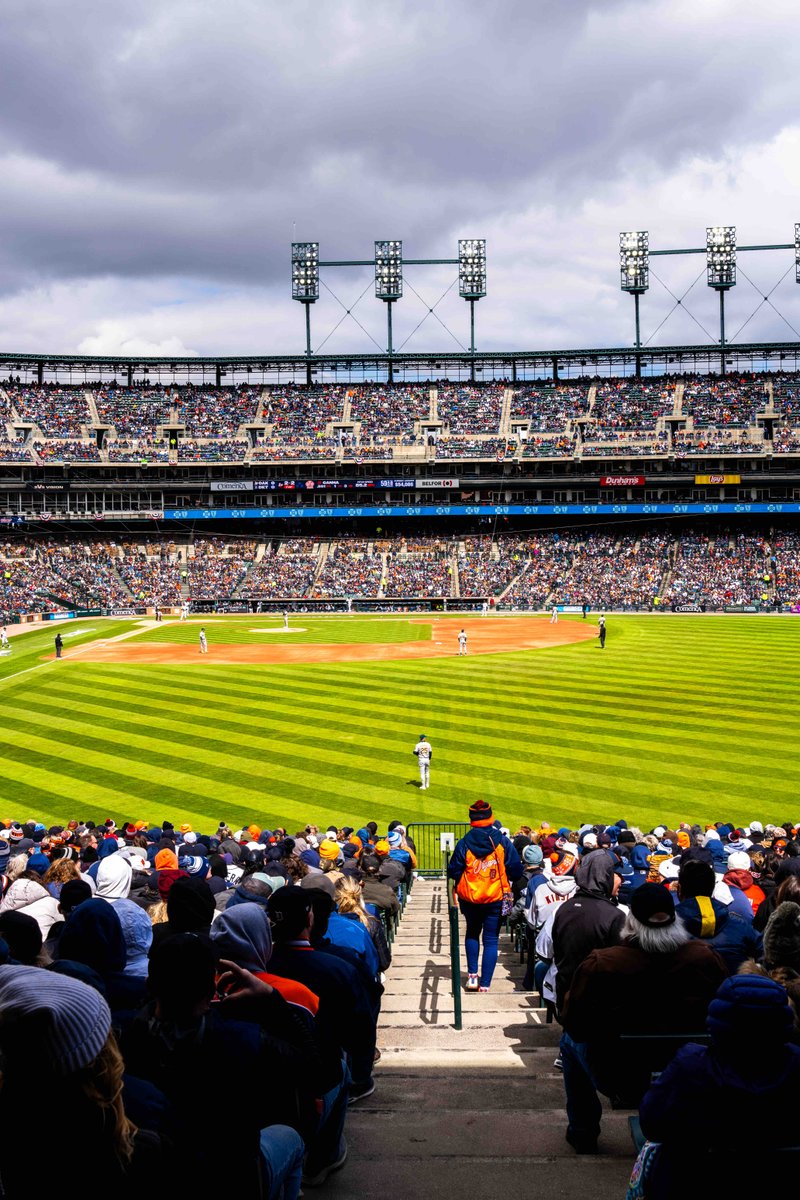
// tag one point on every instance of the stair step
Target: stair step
(365, 1178)
(526, 1003)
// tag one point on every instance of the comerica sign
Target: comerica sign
(622, 481)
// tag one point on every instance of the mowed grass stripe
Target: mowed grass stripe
(579, 728)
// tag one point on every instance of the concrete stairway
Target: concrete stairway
(473, 1111)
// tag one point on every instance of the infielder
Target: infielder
(285, 619)
(184, 611)
(554, 616)
(424, 755)
(203, 642)
(602, 634)
(462, 642)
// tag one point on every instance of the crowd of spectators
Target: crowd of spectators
(560, 446)
(785, 439)
(471, 408)
(420, 567)
(216, 412)
(152, 571)
(686, 938)
(786, 397)
(709, 440)
(625, 572)
(133, 957)
(60, 412)
(389, 411)
(548, 407)
(784, 563)
(732, 401)
(217, 450)
(294, 448)
(137, 450)
(135, 413)
(286, 569)
(487, 565)
(350, 569)
(473, 447)
(216, 568)
(67, 450)
(630, 404)
(720, 569)
(15, 451)
(303, 413)
(549, 557)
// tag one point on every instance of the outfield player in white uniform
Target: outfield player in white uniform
(4, 643)
(285, 619)
(462, 642)
(184, 611)
(203, 642)
(424, 755)
(554, 616)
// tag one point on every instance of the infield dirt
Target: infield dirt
(484, 636)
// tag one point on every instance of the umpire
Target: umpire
(59, 645)
(602, 633)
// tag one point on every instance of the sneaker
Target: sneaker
(360, 1091)
(320, 1177)
(472, 983)
(483, 989)
(557, 1063)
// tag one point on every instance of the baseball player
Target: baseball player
(285, 619)
(424, 755)
(4, 642)
(554, 616)
(184, 611)
(602, 634)
(462, 642)
(203, 642)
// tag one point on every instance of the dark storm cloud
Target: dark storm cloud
(188, 139)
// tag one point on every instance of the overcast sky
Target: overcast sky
(159, 156)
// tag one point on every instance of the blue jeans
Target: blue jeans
(326, 1145)
(282, 1151)
(584, 1109)
(482, 919)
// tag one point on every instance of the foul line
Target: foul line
(89, 646)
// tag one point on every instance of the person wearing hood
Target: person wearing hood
(93, 935)
(713, 843)
(483, 866)
(137, 930)
(589, 920)
(244, 935)
(709, 1088)
(33, 899)
(543, 893)
(657, 981)
(113, 878)
(744, 890)
(714, 923)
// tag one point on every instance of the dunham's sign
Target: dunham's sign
(626, 481)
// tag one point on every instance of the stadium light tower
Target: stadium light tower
(797, 252)
(305, 286)
(634, 271)
(721, 269)
(472, 277)
(389, 283)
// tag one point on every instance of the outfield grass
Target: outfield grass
(680, 717)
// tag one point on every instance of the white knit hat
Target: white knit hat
(74, 1019)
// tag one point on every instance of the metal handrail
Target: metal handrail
(455, 956)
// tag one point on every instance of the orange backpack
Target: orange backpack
(484, 880)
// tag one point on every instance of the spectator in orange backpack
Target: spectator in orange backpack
(484, 865)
